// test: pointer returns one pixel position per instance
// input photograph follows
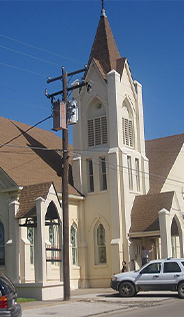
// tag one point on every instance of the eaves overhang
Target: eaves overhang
(134, 235)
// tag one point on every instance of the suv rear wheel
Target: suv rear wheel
(181, 290)
(126, 289)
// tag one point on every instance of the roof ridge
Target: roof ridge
(166, 137)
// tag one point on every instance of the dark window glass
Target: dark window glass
(171, 267)
(152, 268)
(2, 245)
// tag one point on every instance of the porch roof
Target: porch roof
(28, 197)
(144, 216)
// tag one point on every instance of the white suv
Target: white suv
(157, 275)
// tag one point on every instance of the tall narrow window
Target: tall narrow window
(137, 174)
(127, 128)
(100, 245)
(90, 175)
(73, 239)
(129, 163)
(103, 177)
(52, 241)
(97, 131)
(2, 244)
(30, 237)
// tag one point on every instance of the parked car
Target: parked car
(157, 275)
(8, 298)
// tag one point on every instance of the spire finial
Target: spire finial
(103, 10)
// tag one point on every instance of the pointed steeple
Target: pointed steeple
(104, 49)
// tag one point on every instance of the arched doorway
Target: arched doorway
(176, 238)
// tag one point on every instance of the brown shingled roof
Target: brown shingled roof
(28, 197)
(162, 154)
(144, 216)
(104, 48)
(27, 159)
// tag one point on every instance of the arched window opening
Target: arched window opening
(97, 124)
(30, 237)
(175, 239)
(53, 239)
(100, 253)
(73, 240)
(2, 244)
(127, 126)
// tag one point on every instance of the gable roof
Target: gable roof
(33, 156)
(162, 154)
(144, 216)
(28, 197)
(104, 48)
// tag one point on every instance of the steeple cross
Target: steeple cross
(103, 10)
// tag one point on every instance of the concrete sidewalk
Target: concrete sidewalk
(90, 302)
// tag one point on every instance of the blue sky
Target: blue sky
(37, 38)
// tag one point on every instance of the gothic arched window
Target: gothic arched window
(30, 237)
(2, 244)
(127, 125)
(73, 239)
(100, 246)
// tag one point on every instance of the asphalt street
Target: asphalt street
(103, 302)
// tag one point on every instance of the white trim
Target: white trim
(144, 234)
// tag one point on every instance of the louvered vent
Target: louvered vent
(127, 128)
(90, 133)
(97, 131)
(104, 130)
(130, 133)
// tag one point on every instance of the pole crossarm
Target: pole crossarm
(65, 168)
(50, 80)
(68, 89)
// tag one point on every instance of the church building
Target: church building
(124, 192)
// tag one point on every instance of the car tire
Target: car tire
(126, 289)
(181, 290)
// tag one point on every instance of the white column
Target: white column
(40, 251)
(165, 233)
(83, 255)
(13, 252)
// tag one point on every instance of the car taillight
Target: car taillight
(3, 302)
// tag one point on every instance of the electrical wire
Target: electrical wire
(127, 168)
(110, 165)
(40, 49)
(23, 69)
(22, 133)
(28, 55)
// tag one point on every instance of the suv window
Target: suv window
(152, 268)
(171, 267)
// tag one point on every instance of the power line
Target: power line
(23, 69)
(134, 170)
(22, 133)
(28, 55)
(22, 92)
(109, 166)
(38, 48)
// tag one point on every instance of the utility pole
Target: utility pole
(65, 166)
(66, 264)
